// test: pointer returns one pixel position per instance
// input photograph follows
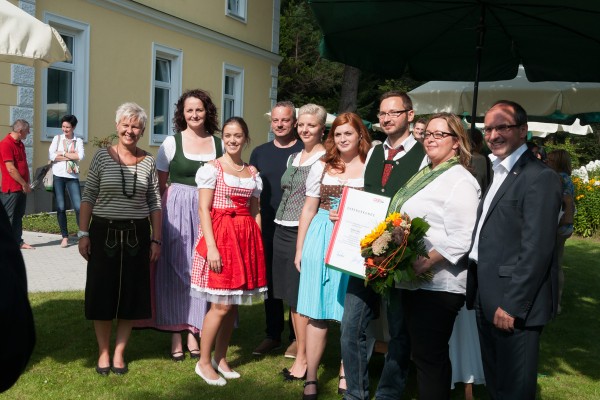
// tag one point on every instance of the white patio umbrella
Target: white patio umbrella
(543, 129)
(27, 40)
(538, 98)
(540, 129)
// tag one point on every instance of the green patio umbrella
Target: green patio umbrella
(464, 40)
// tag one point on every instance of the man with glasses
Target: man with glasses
(513, 274)
(388, 167)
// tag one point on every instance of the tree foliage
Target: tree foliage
(306, 77)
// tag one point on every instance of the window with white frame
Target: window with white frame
(236, 9)
(65, 85)
(233, 91)
(166, 89)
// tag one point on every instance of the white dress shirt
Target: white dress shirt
(501, 169)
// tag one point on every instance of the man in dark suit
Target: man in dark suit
(513, 281)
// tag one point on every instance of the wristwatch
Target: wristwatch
(81, 234)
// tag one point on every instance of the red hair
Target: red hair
(332, 154)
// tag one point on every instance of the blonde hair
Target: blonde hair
(464, 142)
(133, 111)
(316, 110)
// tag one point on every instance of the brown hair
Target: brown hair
(332, 154)
(242, 124)
(561, 161)
(210, 123)
(406, 101)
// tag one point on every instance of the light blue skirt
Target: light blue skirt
(322, 289)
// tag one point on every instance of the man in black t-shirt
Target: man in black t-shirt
(271, 161)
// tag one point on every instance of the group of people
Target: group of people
(177, 243)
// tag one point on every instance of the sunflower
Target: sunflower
(375, 233)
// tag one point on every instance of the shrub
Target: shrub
(587, 199)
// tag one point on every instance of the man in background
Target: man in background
(419, 129)
(15, 178)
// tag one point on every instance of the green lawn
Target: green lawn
(65, 354)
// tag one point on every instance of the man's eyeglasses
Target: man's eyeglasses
(391, 114)
(437, 134)
(501, 129)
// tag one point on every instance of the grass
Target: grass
(62, 363)
(47, 222)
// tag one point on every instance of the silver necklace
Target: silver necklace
(232, 165)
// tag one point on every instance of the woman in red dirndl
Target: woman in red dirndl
(228, 267)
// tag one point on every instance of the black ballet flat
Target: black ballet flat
(194, 354)
(310, 396)
(104, 371)
(119, 371)
(178, 356)
(290, 378)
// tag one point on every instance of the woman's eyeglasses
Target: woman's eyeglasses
(437, 134)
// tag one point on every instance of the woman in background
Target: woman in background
(322, 290)
(66, 151)
(560, 161)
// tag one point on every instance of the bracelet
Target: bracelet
(158, 242)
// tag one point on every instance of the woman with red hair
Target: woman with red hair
(322, 290)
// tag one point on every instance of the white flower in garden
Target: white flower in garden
(581, 173)
(593, 169)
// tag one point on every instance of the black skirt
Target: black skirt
(286, 278)
(118, 271)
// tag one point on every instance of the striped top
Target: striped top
(104, 190)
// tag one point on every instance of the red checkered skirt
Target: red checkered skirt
(239, 241)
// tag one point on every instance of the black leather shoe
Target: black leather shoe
(119, 371)
(310, 396)
(104, 371)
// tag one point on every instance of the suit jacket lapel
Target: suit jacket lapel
(513, 174)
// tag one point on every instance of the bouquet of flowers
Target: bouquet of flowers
(390, 251)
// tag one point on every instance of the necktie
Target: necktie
(387, 168)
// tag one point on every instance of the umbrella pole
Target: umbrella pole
(478, 55)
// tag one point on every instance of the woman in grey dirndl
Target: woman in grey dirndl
(286, 278)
